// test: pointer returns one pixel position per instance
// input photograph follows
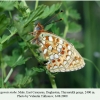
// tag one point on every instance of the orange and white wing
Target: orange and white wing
(60, 54)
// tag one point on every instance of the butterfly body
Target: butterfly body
(60, 54)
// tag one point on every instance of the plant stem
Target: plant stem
(8, 37)
(36, 4)
(1, 70)
(52, 80)
(93, 65)
(2, 78)
(33, 52)
(9, 74)
(88, 36)
(66, 27)
(10, 15)
(65, 31)
(1, 66)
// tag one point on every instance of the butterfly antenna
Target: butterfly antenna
(53, 17)
(55, 21)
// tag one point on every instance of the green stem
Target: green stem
(3, 66)
(93, 65)
(52, 80)
(10, 15)
(36, 4)
(88, 36)
(11, 70)
(65, 31)
(8, 37)
(2, 78)
(9, 74)
(33, 52)
(1, 70)
(66, 27)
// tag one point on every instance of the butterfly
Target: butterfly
(61, 55)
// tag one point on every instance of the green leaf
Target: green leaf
(7, 37)
(52, 8)
(3, 38)
(48, 11)
(7, 5)
(23, 45)
(48, 26)
(74, 14)
(33, 71)
(74, 27)
(4, 22)
(56, 30)
(10, 42)
(12, 30)
(35, 14)
(22, 8)
(22, 81)
(38, 69)
(34, 46)
(19, 26)
(64, 17)
(23, 22)
(41, 12)
(76, 43)
(15, 60)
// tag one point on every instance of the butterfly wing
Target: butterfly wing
(60, 54)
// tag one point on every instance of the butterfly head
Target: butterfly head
(38, 28)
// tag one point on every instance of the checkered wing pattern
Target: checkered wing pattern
(60, 54)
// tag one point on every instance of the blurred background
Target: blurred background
(89, 36)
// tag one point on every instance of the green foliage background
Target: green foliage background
(21, 66)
